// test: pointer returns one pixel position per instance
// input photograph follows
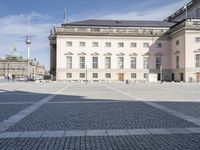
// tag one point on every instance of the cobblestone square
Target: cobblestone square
(99, 116)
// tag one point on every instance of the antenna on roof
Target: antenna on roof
(65, 16)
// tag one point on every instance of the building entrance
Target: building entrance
(181, 76)
(198, 76)
(172, 76)
(120, 76)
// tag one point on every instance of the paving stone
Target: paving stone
(102, 116)
(96, 133)
(53, 134)
(138, 132)
(75, 133)
(10, 134)
(178, 130)
(117, 132)
(194, 130)
(142, 142)
(7, 111)
(32, 134)
(158, 131)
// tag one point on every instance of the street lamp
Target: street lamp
(161, 73)
(8, 72)
(86, 73)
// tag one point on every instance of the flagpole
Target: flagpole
(186, 11)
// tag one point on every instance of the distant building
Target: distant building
(17, 66)
(118, 50)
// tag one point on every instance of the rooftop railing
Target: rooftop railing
(111, 31)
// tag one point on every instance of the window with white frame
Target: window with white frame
(158, 62)
(120, 44)
(108, 75)
(133, 62)
(121, 62)
(158, 45)
(95, 75)
(177, 42)
(145, 45)
(95, 44)
(198, 60)
(133, 75)
(107, 62)
(146, 75)
(82, 75)
(82, 62)
(177, 62)
(133, 44)
(68, 75)
(145, 62)
(108, 44)
(68, 43)
(82, 44)
(69, 62)
(94, 62)
(197, 39)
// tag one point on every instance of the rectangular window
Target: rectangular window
(158, 62)
(69, 62)
(82, 75)
(146, 75)
(158, 45)
(95, 62)
(177, 62)
(108, 75)
(95, 75)
(82, 62)
(108, 62)
(108, 44)
(82, 44)
(177, 42)
(121, 62)
(145, 62)
(133, 44)
(68, 75)
(95, 44)
(198, 60)
(133, 75)
(68, 43)
(133, 62)
(197, 39)
(145, 45)
(120, 44)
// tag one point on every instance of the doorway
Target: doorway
(172, 76)
(159, 77)
(181, 77)
(198, 76)
(120, 76)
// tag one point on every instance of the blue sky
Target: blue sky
(45, 14)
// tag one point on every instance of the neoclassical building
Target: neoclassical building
(19, 67)
(118, 50)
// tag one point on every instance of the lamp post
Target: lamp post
(161, 73)
(8, 72)
(86, 73)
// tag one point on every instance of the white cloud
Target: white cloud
(14, 31)
(159, 13)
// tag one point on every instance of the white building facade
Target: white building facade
(110, 50)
